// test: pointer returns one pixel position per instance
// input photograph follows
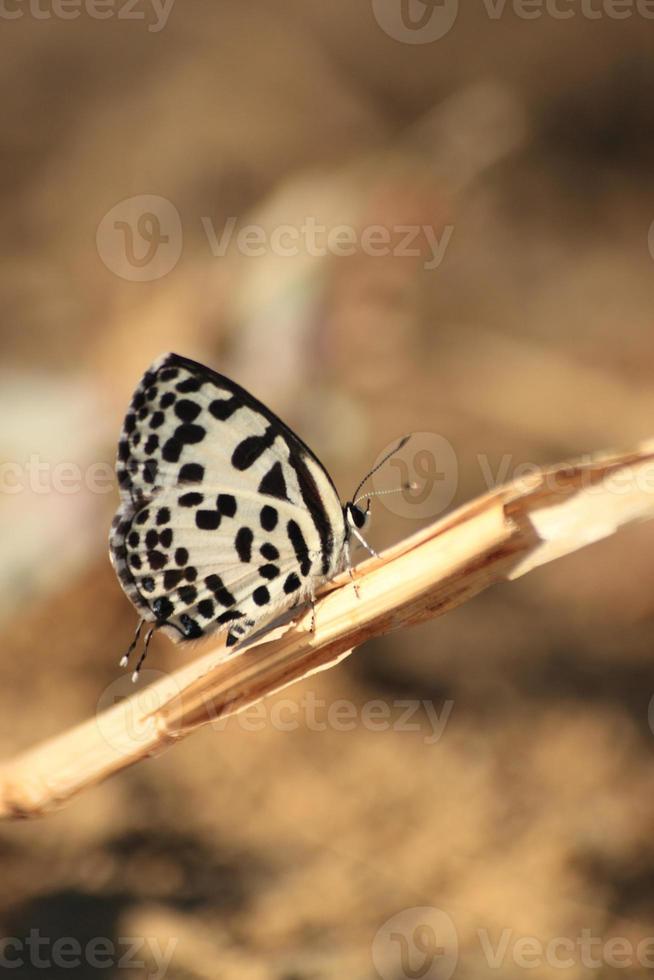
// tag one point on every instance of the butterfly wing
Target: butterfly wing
(226, 516)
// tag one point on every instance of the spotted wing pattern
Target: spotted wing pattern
(226, 517)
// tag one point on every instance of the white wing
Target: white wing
(227, 518)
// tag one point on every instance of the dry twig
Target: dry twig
(499, 536)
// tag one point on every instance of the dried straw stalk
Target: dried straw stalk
(499, 536)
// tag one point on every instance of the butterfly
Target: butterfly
(226, 517)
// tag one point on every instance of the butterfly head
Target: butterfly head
(356, 517)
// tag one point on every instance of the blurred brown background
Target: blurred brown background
(525, 144)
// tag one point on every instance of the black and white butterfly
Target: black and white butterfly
(226, 518)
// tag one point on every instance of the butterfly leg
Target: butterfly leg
(348, 562)
(312, 600)
(148, 637)
(365, 544)
(124, 660)
(239, 632)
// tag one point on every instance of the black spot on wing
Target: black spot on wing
(186, 410)
(229, 616)
(268, 518)
(207, 520)
(162, 608)
(251, 449)
(172, 578)
(184, 434)
(188, 594)
(243, 543)
(221, 593)
(206, 608)
(190, 434)
(268, 571)
(157, 560)
(150, 469)
(172, 450)
(191, 473)
(292, 583)
(273, 483)
(226, 504)
(296, 538)
(189, 385)
(191, 499)
(223, 408)
(192, 629)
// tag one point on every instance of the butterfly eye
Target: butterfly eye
(359, 517)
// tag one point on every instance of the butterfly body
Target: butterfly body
(226, 517)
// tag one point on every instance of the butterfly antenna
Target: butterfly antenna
(148, 637)
(124, 660)
(401, 444)
(382, 493)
